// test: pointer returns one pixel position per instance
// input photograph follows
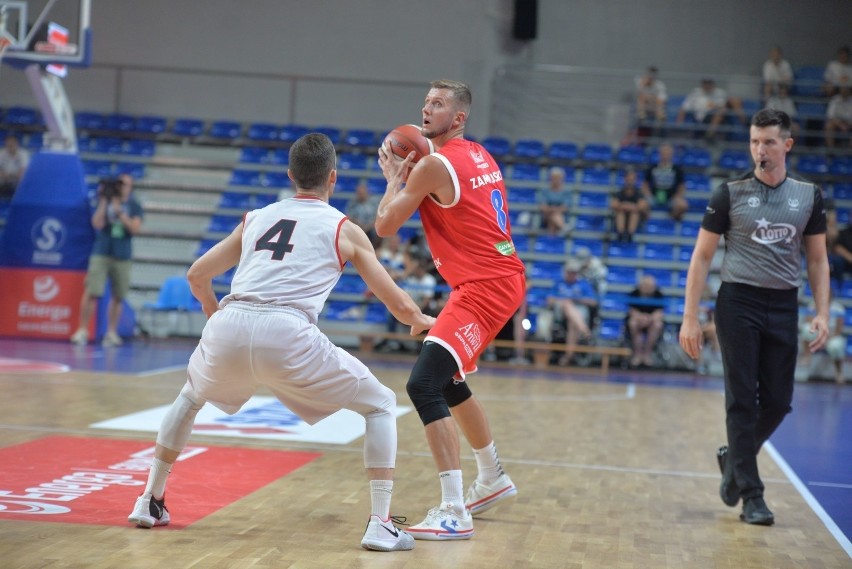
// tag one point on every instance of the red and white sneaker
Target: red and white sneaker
(481, 497)
(444, 523)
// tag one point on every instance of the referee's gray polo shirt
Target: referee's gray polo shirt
(764, 228)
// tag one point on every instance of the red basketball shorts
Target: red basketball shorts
(475, 312)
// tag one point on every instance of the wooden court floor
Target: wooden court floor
(610, 475)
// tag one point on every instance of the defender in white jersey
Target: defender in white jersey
(264, 332)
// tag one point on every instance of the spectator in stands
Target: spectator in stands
(838, 73)
(117, 218)
(13, 163)
(835, 347)
(650, 96)
(393, 256)
(709, 105)
(592, 269)
(777, 72)
(554, 203)
(645, 320)
(630, 208)
(838, 117)
(571, 301)
(664, 184)
(840, 257)
(421, 286)
(361, 210)
(782, 101)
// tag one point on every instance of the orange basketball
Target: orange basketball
(405, 138)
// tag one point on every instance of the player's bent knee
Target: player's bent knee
(432, 372)
(457, 393)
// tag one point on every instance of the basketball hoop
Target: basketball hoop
(4, 44)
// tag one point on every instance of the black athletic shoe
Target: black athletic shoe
(728, 489)
(755, 512)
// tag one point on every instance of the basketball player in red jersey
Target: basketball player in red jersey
(462, 201)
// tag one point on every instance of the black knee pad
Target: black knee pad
(432, 373)
(456, 393)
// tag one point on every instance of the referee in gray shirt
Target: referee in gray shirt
(766, 216)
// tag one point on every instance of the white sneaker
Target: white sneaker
(444, 522)
(80, 338)
(149, 512)
(383, 535)
(111, 339)
(481, 497)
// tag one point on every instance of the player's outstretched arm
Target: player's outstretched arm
(355, 246)
(221, 257)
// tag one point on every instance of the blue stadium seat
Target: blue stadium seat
(346, 183)
(377, 185)
(842, 191)
(204, 246)
(361, 137)
(521, 242)
(264, 199)
(631, 155)
(352, 161)
(150, 124)
(807, 110)
(139, 147)
(276, 180)
(106, 145)
(279, 156)
(808, 81)
(689, 228)
(614, 303)
(338, 203)
(681, 279)
(223, 223)
(235, 200)
(174, 294)
(100, 168)
(562, 150)
(621, 275)
(529, 148)
(685, 253)
(590, 223)
(87, 120)
(522, 195)
(840, 166)
(597, 153)
(697, 182)
(551, 244)
(595, 177)
(254, 154)
(537, 296)
(812, 164)
(695, 157)
(340, 311)
(245, 178)
(623, 250)
(350, 284)
(225, 278)
(332, 132)
(595, 246)
(659, 251)
(376, 313)
(262, 131)
(659, 227)
(187, 127)
(35, 141)
(733, 160)
(23, 116)
(292, 132)
(546, 270)
(526, 172)
(120, 122)
(593, 200)
(497, 146)
(610, 330)
(225, 129)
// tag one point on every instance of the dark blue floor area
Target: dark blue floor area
(815, 440)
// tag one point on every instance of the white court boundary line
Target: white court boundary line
(629, 393)
(809, 498)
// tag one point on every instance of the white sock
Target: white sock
(451, 488)
(487, 464)
(157, 478)
(380, 498)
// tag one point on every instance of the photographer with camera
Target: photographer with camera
(117, 218)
